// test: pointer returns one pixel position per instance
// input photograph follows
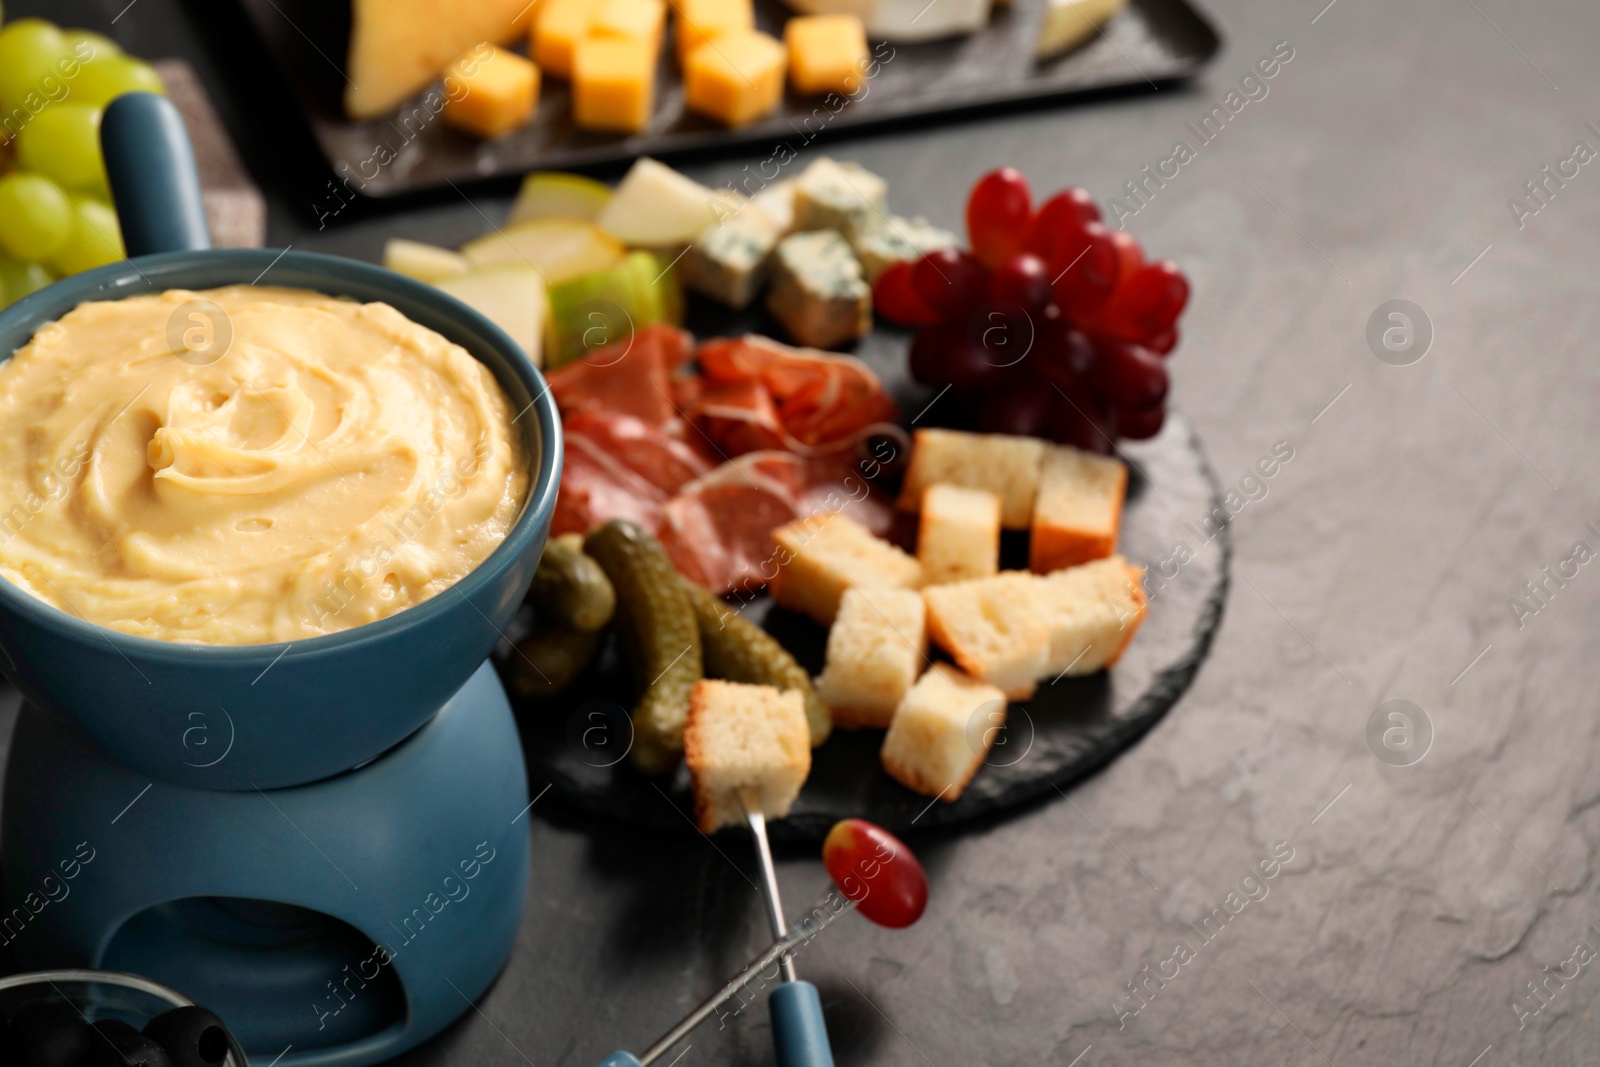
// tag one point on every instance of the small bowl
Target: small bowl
(288, 713)
(100, 995)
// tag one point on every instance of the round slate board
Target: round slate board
(1067, 731)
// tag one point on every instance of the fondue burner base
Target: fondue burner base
(334, 924)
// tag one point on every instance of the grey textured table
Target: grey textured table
(1383, 562)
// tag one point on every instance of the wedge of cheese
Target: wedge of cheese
(399, 46)
(1068, 23)
(905, 20)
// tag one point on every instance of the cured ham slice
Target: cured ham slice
(632, 377)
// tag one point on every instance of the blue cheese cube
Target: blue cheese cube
(728, 261)
(817, 291)
(898, 240)
(839, 196)
(777, 200)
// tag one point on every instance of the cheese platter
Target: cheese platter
(937, 59)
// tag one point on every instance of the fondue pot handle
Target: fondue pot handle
(153, 178)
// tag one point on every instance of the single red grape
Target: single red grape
(998, 211)
(1086, 270)
(1130, 257)
(952, 353)
(1164, 342)
(1016, 406)
(1058, 220)
(1138, 424)
(1078, 419)
(896, 299)
(1023, 280)
(1128, 376)
(950, 282)
(876, 870)
(1062, 354)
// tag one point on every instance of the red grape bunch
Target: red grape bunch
(1052, 326)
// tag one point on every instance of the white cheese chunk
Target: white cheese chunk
(898, 240)
(1068, 23)
(817, 290)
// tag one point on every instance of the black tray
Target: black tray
(1065, 733)
(1149, 42)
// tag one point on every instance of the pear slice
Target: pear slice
(510, 295)
(548, 193)
(424, 262)
(558, 248)
(656, 207)
(598, 309)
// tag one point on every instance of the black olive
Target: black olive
(192, 1036)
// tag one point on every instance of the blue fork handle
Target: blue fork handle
(799, 1035)
(153, 179)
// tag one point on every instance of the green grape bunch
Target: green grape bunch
(55, 213)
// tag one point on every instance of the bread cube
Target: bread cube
(822, 555)
(735, 77)
(941, 732)
(744, 743)
(839, 196)
(1078, 509)
(994, 628)
(817, 290)
(701, 20)
(1005, 465)
(875, 651)
(558, 26)
(1092, 612)
(613, 84)
(827, 53)
(645, 20)
(490, 91)
(959, 536)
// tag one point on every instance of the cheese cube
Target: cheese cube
(817, 290)
(613, 84)
(888, 241)
(1068, 23)
(875, 651)
(729, 260)
(777, 201)
(941, 732)
(822, 555)
(558, 26)
(701, 20)
(839, 196)
(642, 19)
(490, 91)
(827, 53)
(735, 77)
(959, 536)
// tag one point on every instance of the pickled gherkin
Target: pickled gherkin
(548, 660)
(570, 588)
(740, 651)
(657, 623)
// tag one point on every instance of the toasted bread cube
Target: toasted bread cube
(875, 651)
(702, 20)
(827, 53)
(735, 77)
(613, 84)
(959, 536)
(994, 628)
(1078, 509)
(822, 555)
(1005, 465)
(817, 290)
(941, 732)
(490, 92)
(644, 20)
(1092, 612)
(744, 741)
(558, 26)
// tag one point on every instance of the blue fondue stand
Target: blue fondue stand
(337, 862)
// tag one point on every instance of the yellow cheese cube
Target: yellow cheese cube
(827, 53)
(701, 20)
(735, 78)
(558, 26)
(490, 91)
(644, 19)
(613, 84)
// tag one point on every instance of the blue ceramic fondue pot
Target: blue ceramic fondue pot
(264, 716)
